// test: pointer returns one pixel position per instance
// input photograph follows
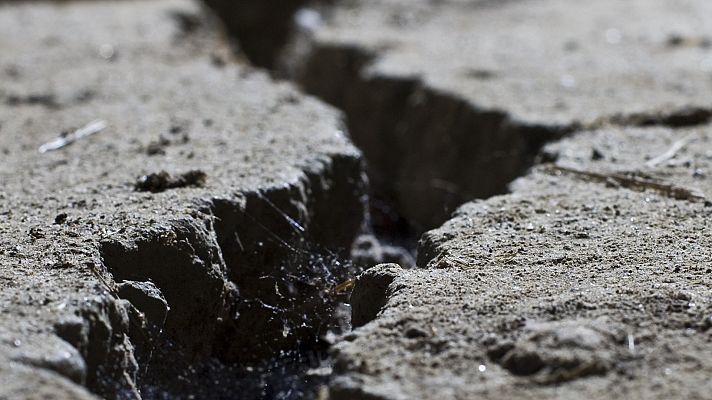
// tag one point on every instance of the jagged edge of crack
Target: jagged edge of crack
(428, 151)
(195, 262)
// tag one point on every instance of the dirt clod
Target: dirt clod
(148, 299)
(60, 218)
(162, 181)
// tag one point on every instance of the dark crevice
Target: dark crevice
(249, 280)
(248, 285)
(427, 151)
(261, 27)
(284, 249)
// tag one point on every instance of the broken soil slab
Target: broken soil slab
(568, 287)
(450, 100)
(237, 232)
(571, 290)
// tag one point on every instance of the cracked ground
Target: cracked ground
(355, 199)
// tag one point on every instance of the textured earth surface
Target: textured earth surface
(548, 55)
(591, 278)
(190, 180)
(574, 285)
(172, 219)
(449, 100)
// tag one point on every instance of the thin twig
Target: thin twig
(63, 141)
(677, 146)
(635, 183)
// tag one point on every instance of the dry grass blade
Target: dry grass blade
(63, 141)
(674, 149)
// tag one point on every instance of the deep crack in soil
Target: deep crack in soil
(262, 335)
(243, 294)
(428, 151)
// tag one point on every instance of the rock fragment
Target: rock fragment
(148, 299)
(161, 181)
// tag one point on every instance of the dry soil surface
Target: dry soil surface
(591, 279)
(189, 182)
(450, 100)
(157, 193)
